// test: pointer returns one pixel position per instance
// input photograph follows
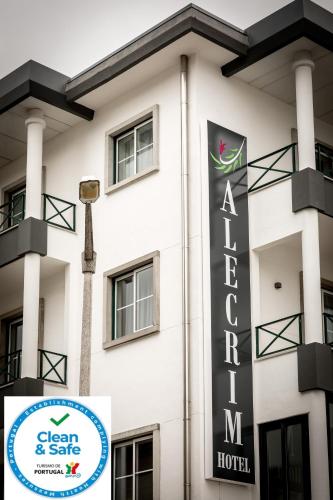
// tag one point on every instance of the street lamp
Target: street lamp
(88, 194)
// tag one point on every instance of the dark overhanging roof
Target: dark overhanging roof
(300, 18)
(35, 80)
(189, 19)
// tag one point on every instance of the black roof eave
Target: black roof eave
(35, 80)
(301, 18)
(190, 19)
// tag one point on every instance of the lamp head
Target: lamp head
(89, 189)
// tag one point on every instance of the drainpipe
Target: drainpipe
(185, 274)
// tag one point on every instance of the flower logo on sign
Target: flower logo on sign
(229, 159)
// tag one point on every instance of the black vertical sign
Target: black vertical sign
(232, 395)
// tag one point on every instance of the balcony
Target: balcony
(282, 163)
(52, 367)
(57, 212)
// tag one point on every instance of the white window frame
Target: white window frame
(135, 300)
(109, 302)
(141, 434)
(135, 152)
(112, 137)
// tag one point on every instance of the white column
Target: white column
(35, 125)
(303, 67)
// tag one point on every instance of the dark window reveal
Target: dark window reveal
(284, 459)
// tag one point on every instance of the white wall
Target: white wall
(145, 377)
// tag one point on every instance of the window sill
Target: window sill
(131, 180)
(108, 344)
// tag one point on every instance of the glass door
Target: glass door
(11, 368)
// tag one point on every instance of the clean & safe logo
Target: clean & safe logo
(57, 447)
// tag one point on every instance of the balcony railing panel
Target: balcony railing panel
(12, 213)
(278, 336)
(52, 367)
(274, 167)
(10, 367)
(58, 212)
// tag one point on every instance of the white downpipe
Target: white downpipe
(185, 274)
(35, 125)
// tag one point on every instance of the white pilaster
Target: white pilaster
(35, 125)
(303, 67)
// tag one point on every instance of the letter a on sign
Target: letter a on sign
(231, 362)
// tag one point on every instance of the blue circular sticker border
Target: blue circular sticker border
(52, 493)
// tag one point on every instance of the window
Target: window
(324, 159)
(131, 298)
(12, 212)
(134, 299)
(284, 459)
(10, 354)
(327, 307)
(329, 403)
(132, 150)
(135, 470)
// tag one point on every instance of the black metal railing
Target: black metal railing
(269, 172)
(10, 367)
(279, 335)
(58, 212)
(328, 328)
(52, 367)
(12, 212)
(324, 160)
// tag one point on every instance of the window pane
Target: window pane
(124, 461)
(144, 159)
(144, 486)
(125, 169)
(328, 320)
(295, 462)
(144, 136)
(124, 321)
(144, 455)
(144, 313)
(124, 489)
(274, 465)
(144, 283)
(17, 207)
(125, 147)
(328, 302)
(330, 435)
(125, 291)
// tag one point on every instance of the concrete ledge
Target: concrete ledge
(308, 190)
(21, 387)
(315, 367)
(32, 237)
(28, 387)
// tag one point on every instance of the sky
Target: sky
(71, 35)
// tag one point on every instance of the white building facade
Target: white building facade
(138, 121)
